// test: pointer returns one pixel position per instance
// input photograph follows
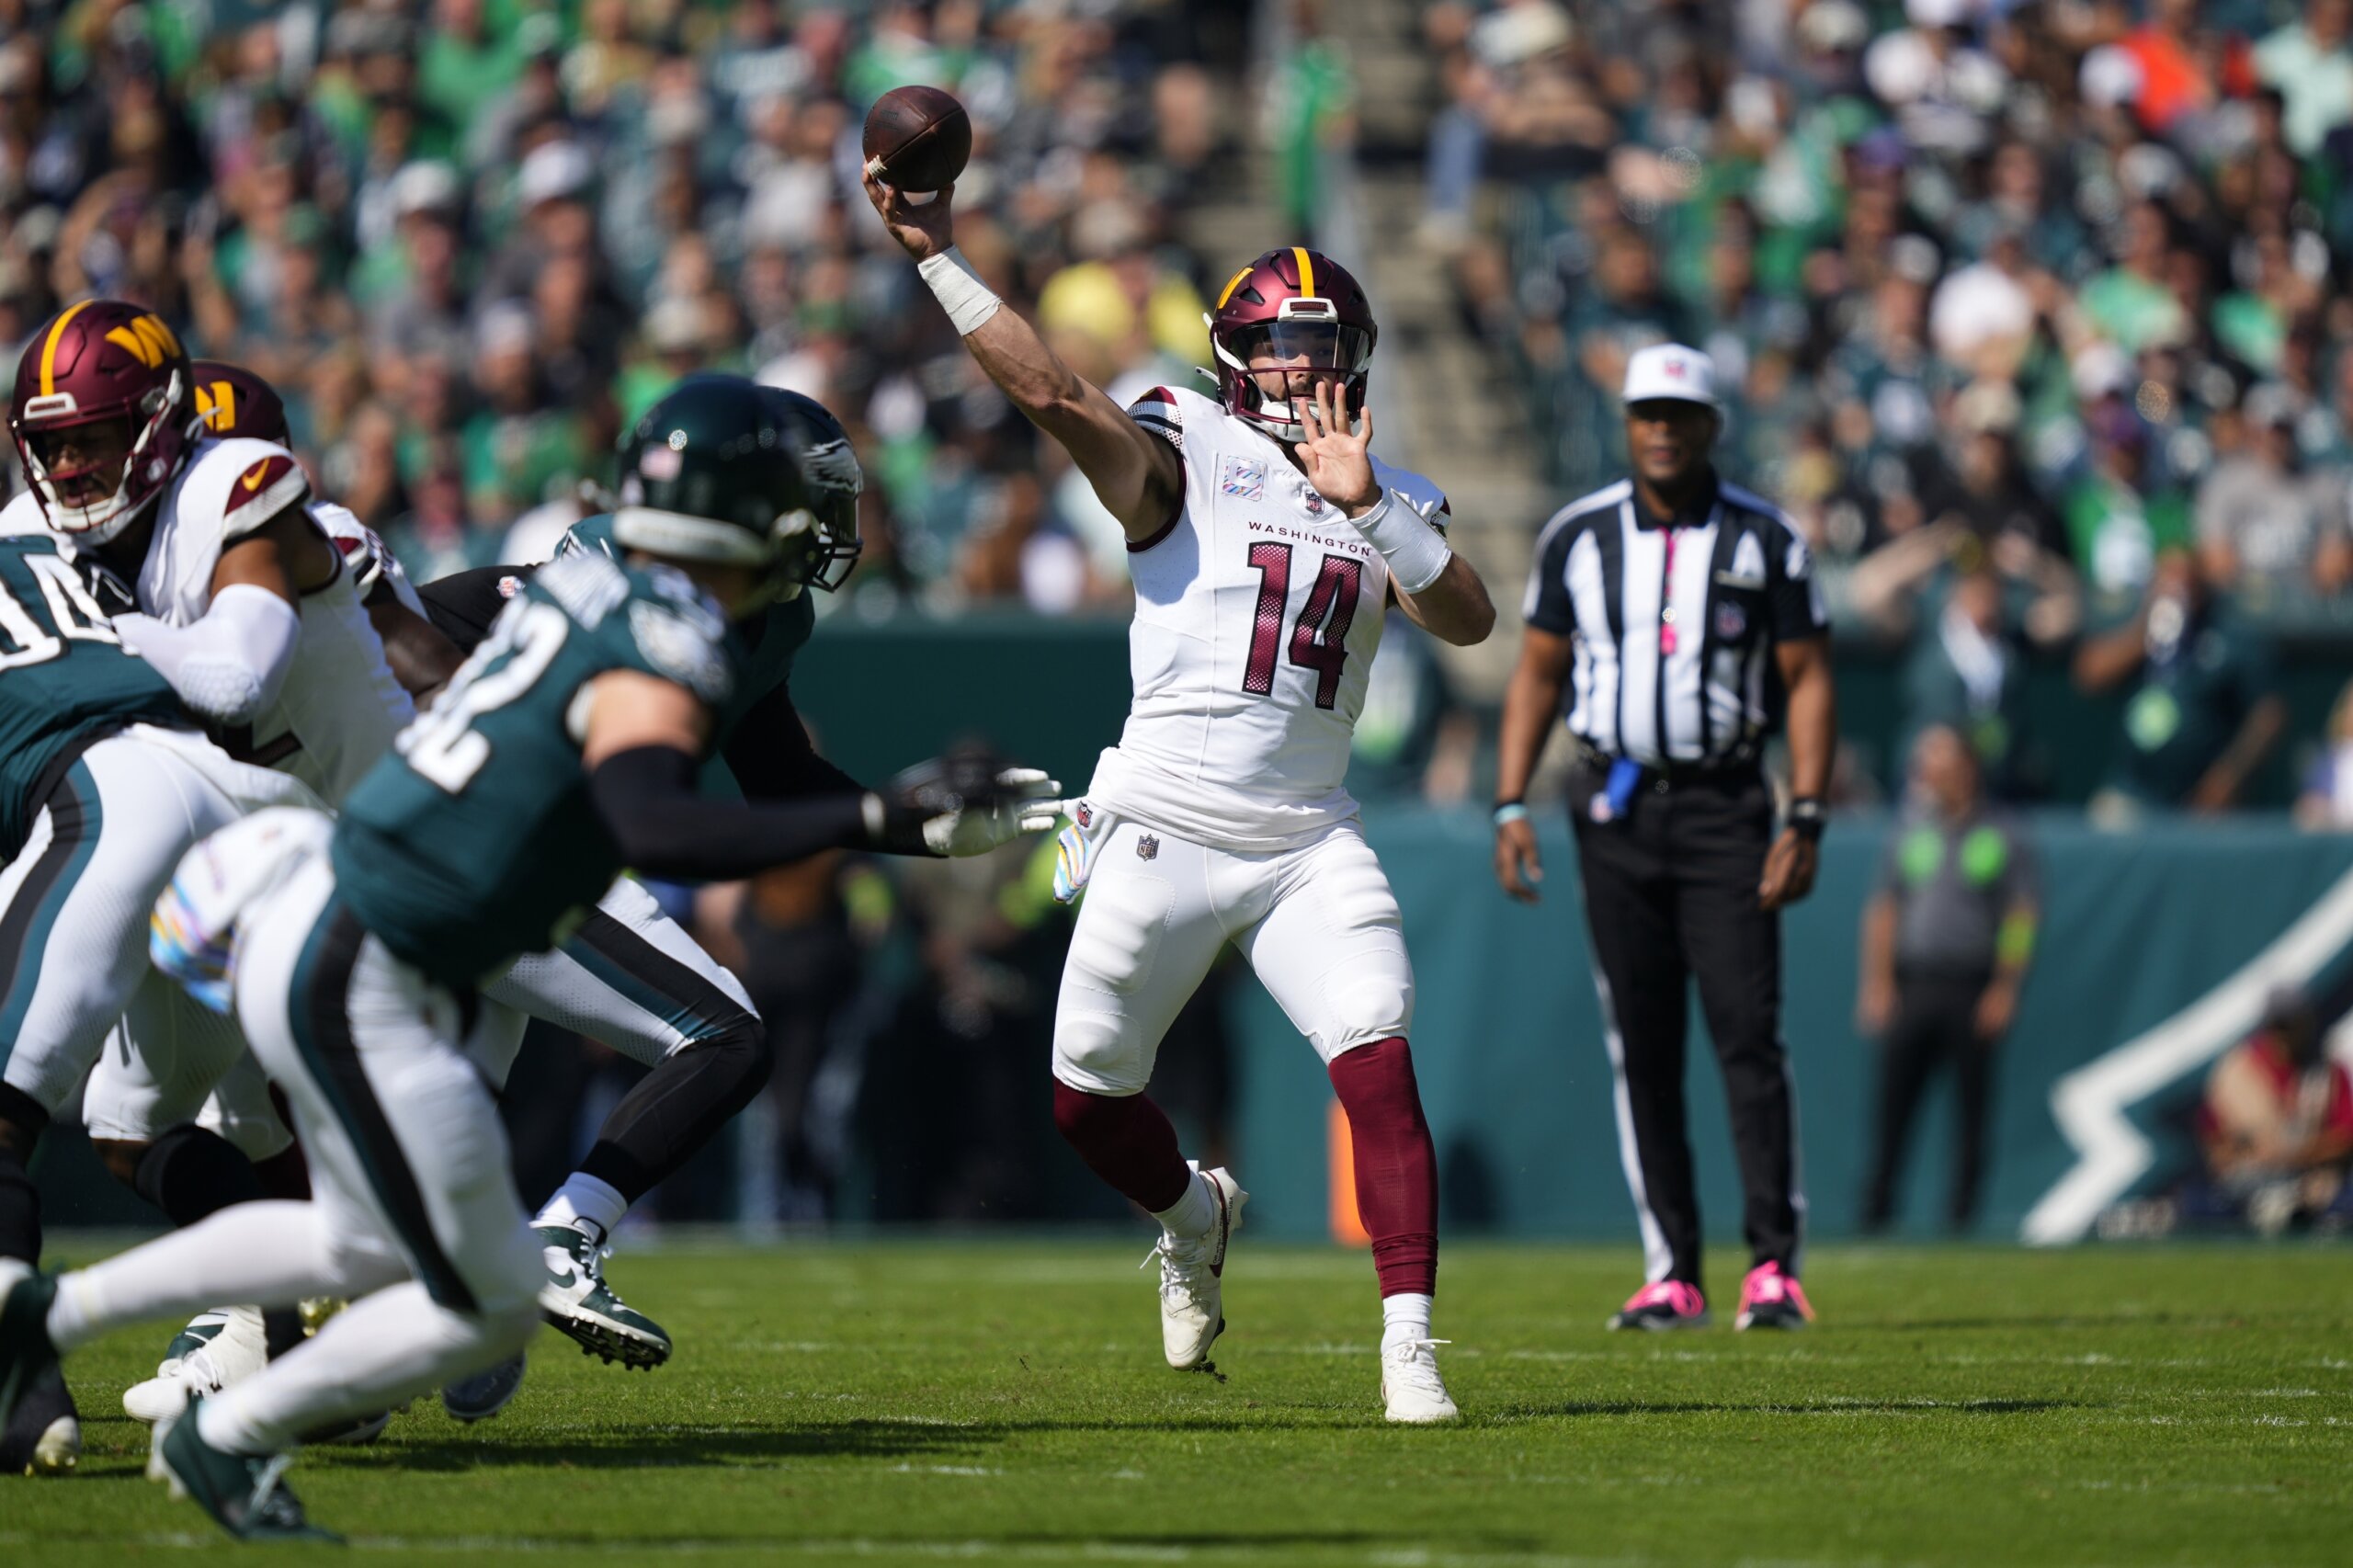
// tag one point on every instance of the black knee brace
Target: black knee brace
(189, 1173)
(19, 1202)
(675, 1109)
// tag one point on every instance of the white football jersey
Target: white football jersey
(1258, 610)
(340, 706)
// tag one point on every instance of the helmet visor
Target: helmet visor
(1303, 346)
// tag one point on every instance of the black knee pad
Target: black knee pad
(189, 1173)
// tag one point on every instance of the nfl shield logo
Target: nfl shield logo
(1314, 503)
(1147, 847)
(1085, 814)
(1732, 622)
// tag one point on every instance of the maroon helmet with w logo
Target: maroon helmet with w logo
(103, 415)
(235, 402)
(1291, 309)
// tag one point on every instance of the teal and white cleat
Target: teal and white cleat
(247, 1497)
(215, 1350)
(44, 1437)
(584, 1308)
(484, 1394)
(26, 1355)
(1192, 1269)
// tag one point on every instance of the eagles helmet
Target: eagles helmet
(723, 469)
(102, 363)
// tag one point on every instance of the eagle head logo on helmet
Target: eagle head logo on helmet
(104, 415)
(1291, 309)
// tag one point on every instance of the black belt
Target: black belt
(1674, 775)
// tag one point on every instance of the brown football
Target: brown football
(917, 137)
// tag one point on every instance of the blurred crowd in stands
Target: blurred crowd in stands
(2021, 300)
(470, 239)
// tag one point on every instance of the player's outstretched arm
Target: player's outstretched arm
(642, 754)
(232, 661)
(1137, 476)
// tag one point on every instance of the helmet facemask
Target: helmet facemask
(100, 519)
(1306, 335)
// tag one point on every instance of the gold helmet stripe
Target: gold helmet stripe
(49, 347)
(1306, 272)
(1230, 285)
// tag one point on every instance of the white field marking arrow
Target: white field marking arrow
(2089, 1103)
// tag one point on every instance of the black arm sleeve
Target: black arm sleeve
(771, 757)
(462, 605)
(664, 828)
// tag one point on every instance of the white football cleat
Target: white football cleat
(208, 1359)
(1192, 1301)
(1410, 1384)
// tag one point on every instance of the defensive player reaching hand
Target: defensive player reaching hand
(1265, 540)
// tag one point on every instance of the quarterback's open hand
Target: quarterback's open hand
(1338, 461)
(925, 231)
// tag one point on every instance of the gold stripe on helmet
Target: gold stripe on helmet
(49, 347)
(1306, 272)
(1230, 285)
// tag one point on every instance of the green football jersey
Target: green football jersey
(64, 678)
(770, 643)
(476, 840)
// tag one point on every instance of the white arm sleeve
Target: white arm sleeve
(230, 664)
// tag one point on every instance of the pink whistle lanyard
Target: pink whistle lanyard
(1666, 599)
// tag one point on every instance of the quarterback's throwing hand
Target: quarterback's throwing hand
(1338, 461)
(925, 231)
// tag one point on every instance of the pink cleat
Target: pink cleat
(1770, 1299)
(1662, 1305)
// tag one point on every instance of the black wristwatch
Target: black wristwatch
(1806, 818)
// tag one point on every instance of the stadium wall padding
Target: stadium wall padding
(1507, 1034)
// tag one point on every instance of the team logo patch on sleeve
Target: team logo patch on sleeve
(679, 650)
(1245, 479)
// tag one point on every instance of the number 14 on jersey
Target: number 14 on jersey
(1319, 638)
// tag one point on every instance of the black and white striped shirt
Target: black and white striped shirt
(1673, 626)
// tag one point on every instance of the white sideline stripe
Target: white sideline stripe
(1659, 1258)
(2089, 1103)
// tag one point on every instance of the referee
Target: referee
(1676, 618)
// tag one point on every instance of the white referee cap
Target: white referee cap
(1671, 370)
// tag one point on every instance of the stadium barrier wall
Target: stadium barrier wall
(2157, 950)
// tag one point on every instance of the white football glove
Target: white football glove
(1032, 804)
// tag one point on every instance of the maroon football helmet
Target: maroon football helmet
(1306, 311)
(235, 402)
(98, 363)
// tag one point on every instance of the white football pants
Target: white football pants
(73, 912)
(1317, 922)
(411, 1206)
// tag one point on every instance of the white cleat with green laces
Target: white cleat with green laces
(581, 1306)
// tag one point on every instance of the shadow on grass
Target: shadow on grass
(424, 1448)
(1806, 1407)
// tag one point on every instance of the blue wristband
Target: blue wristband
(1511, 812)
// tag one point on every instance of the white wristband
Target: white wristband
(967, 301)
(1417, 553)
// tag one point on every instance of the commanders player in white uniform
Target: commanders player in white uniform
(1265, 542)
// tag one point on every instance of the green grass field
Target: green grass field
(1005, 1402)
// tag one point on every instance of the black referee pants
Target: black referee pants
(1670, 894)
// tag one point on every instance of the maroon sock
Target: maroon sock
(1127, 1141)
(1396, 1163)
